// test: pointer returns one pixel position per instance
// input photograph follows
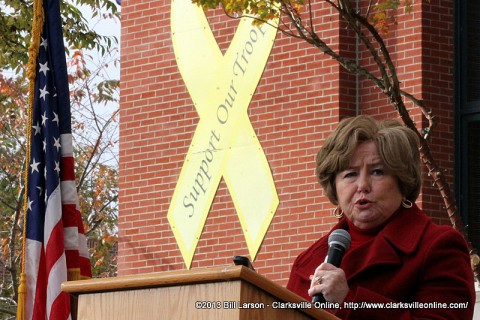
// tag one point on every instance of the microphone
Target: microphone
(338, 242)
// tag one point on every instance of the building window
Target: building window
(467, 111)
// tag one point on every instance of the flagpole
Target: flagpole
(37, 26)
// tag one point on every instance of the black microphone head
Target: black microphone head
(341, 237)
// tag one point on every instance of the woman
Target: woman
(398, 257)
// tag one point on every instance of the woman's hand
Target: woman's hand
(330, 281)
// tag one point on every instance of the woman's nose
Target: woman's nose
(364, 183)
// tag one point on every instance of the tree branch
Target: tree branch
(390, 86)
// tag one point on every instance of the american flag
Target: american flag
(56, 244)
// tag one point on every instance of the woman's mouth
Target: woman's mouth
(362, 203)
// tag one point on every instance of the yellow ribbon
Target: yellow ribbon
(224, 143)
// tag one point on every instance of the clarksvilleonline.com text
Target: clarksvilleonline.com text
(328, 305)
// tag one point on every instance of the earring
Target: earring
(337, 214)
(407, 204)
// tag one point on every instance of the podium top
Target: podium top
(189, 277)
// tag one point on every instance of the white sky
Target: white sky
(105, 27)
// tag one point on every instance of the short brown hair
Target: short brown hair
(397, 146)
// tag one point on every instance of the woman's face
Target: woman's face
(366, 192)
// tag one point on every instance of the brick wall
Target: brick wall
(300, 99)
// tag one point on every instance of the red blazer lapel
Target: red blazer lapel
(396, 239)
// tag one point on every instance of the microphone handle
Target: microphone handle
(318, 298)
(334, 257)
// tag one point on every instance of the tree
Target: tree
(370, 24)
(16, 18)
(11, 152)
(95, 112)
(94, 101)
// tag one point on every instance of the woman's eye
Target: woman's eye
(377, 172)
(349, 174)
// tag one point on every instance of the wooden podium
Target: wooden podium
(229, 292)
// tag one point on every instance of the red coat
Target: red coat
(410, 260)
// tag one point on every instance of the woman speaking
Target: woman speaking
(398, 258)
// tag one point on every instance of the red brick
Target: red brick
(300, 99)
